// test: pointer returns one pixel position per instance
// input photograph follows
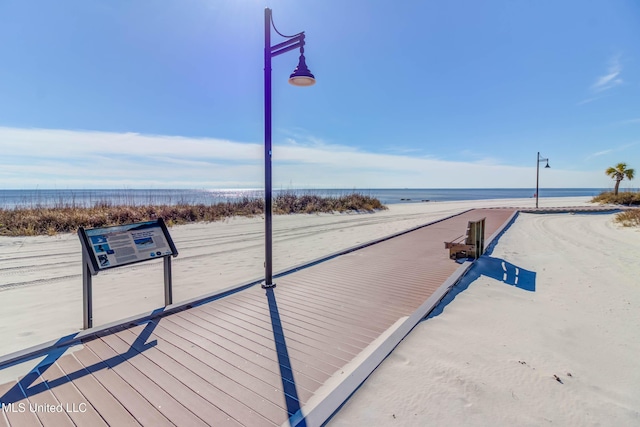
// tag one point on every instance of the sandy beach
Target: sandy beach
(560, 347)
(41, 277)
(488, 356)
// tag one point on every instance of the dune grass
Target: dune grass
(622, 198)
(630, 218)
(66, 218)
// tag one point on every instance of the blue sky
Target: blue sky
(422, 94)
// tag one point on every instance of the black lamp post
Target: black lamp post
(540, 159)
(301, 76)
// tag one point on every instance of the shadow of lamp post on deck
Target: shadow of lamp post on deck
(540, 160)
(301, 76)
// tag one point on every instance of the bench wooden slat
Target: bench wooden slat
(473, 245)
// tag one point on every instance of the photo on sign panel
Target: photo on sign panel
(144, 243)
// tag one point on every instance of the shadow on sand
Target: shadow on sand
(497, 269)
(25, 388)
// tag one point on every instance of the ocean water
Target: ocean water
(49, 198)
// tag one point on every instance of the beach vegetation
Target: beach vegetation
(630, 218)
(619, 172)
(290, 202)
(627, 198)
(67, 218)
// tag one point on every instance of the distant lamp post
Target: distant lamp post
(301, 76)
(540, 160)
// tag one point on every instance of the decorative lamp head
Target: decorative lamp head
(301, 76)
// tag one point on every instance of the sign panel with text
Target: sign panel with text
(120, 245)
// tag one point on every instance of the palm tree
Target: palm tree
(619, 173)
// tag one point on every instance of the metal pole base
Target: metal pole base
(267, 286)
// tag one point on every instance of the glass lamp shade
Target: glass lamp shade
(301, 76)
(302, 80)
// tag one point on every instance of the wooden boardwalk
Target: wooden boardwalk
(252, 358)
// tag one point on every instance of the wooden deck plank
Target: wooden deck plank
(361, 296)
(257, 301)
(338, 296)
(310, 316)
(45, 405)
(155, 393)
(4, 422)
(329, 363)
(318, 370)
(404, 303)
(101, 400)
(231, 314)
(317, 311)
(18, 414)
(258, 333)
(214, 386)
(298, 314)
(251, 375)
(81, 412)
(353, 346)
(265, 337)
(356, 278)
(190, 391)
(311, 379)
(332, 291)
(140, 408)
(306, 312)
(352, 279)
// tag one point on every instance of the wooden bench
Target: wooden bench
(470, 245)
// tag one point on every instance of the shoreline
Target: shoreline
(171, 197)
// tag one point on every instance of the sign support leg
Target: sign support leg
(87, 301)
(168, 291)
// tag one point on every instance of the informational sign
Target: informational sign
(120, 245)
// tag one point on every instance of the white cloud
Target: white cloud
(611, 79)
(599, 153)
(588, 100)
(46, 158)
(54, 143)
(612, 150)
